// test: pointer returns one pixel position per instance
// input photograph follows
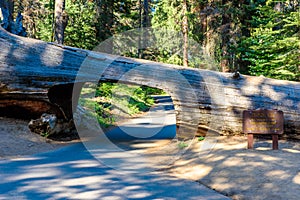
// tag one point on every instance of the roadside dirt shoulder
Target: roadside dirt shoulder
(233, 170)
(17, 140)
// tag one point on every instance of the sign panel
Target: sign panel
(263, 121)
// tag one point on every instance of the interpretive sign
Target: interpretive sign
(263, 121)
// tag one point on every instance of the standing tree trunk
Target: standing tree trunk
(225, 34)
(105, 21)
(185, 34)
(7, 10)
(144, 23)
(6, 16)
(61, 20)
(2, 6)
(9, 5)
(145, 14)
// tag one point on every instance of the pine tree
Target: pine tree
(273, 48)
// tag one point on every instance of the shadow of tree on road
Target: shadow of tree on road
(74, 174)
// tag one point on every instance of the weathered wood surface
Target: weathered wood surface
(37, 77)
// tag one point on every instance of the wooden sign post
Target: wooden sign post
(263, 121)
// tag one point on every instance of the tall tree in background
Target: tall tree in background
(61, 20)
(225, 36)
(7, 18)
(82, 22)
(105, 23)
(8, 6)
(144, 23)
(273, 47)
(173, 15)
(33, 11)
(255, 37)
(145, 17)
(185, 28)
(105, 19)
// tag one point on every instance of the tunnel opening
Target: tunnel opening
(130, 112)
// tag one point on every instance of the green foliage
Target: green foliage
(103, 111)
(256, 37)
(80, 31)
(129, 98)
(168, 15)
(273, 47)
(46, 134)
(152, 91)
(203, 41)
(112, 97)
(105, 89)
(182, 145)
(45, 22)
(126, 15)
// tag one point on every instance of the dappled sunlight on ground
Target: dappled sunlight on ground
(233, 170)
(230, 168)
(72, 173)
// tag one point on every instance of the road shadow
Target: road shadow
(73, 173)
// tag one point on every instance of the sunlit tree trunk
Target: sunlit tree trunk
(144, 22)
(60, 17)
(8, 6)
(185, 34)
(225, 30)
(2, 6)
(145, 14)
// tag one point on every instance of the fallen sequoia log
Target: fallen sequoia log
(38, 77)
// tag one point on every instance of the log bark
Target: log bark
(38, 77)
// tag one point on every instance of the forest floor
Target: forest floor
(229, 168)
